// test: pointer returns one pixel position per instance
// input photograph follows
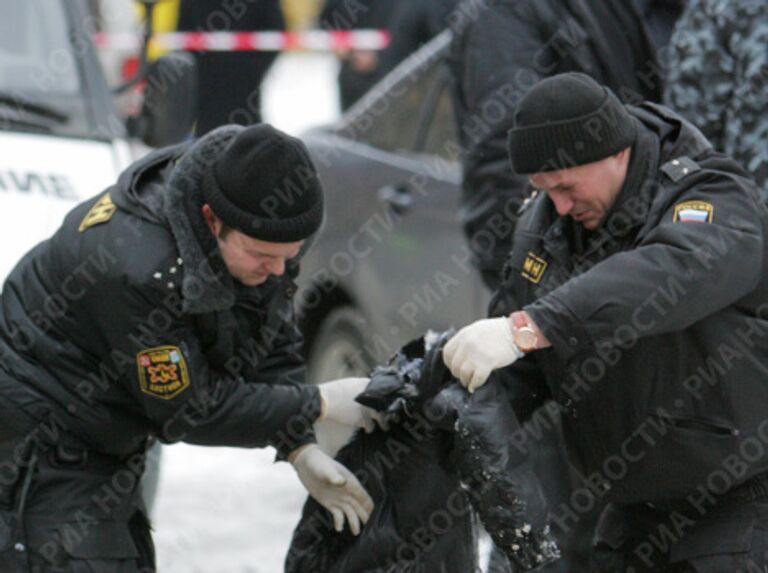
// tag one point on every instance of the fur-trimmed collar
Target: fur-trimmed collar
(207, 285)
(166, 187)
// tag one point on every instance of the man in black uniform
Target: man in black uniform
(495, 59)
(360, 68)
(161, 308)
(413, 24)
(636, 297)
(230, 82)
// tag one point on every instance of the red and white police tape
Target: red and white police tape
(313, 40)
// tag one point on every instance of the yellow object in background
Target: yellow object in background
(300, 14)
(165, 17)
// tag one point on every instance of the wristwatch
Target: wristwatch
(524, 336)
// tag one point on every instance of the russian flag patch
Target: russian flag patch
(693, 212)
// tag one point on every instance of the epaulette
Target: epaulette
(101, 212)
(680, 168)
(527, 202)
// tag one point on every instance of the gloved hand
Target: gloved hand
(338, 404)
(333, 486)
(480, 348)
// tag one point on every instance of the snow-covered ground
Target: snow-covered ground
(225, 510)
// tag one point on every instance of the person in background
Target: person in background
(718, 78)
(230, 82)
(660, 17)
(360, 68)
(413, 25)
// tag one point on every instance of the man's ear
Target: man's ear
(213, 222)
(624, 154)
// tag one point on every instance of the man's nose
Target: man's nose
(563, 204)
(277, 267)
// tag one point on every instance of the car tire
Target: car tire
(337, 352)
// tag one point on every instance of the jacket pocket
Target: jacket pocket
(679, 456)
(6, 530)
(612, 532)
(715, 545)
(698, 425)
(618, 532)
(11, 561)
(20, 455)
(103, 546)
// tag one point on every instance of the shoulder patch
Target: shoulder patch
(162, 371)
(101, 212)
(533, 267)
(693, 212)
(680, 168)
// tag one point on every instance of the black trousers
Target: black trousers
(67, 510)
(725, 535)
(230, 88)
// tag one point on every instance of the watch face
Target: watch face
(525, 338)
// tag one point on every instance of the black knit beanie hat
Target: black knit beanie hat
(568, 120)
(265, 185)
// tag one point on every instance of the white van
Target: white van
(61, 140)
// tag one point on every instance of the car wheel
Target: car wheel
(337, 352)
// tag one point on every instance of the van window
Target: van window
(391, 122)
(438, 135)
(40, 78)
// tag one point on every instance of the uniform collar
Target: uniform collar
(207, 285)
(640, 185)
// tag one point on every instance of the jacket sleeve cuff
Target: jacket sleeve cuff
(562, 328)
(299, 430)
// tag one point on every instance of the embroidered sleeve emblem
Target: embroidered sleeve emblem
(162, 371)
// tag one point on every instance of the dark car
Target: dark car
(391, 260)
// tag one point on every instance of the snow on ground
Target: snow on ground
(301, 92)
(225, 510)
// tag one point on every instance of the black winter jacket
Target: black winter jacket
(356, 15)
(657, 319)
(446, 451)
(230, 82)
(126, 324)
(497, 56)
(413, 25)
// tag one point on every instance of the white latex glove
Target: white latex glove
(339, 404)
(479, 349)
(334, 487)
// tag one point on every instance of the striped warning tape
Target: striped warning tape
(314, 40)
